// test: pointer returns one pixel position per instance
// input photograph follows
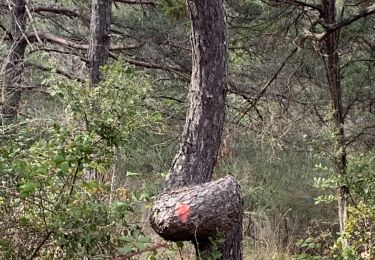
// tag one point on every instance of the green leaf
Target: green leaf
(58, 159)
(140, 245)
(24, 221)
(27, 188)
(91, 185)
(127, 239)
(300, 242)
(125, 250)
(144, 239)
(64, 166)
(71, 158)
(42, 170)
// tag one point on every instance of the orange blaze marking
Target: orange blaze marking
(182, 212)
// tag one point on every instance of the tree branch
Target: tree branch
(34, 254)
(41, 36)
(358, 135)
(58, 71)
(68, 52)
(301, 3)
(3, 28)
(361, 14)
(330, 28)
(136, 2)
(264, 89)
(151, 65)
(63, 11)
(7, 33)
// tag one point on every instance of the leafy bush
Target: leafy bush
(357, 242)
(49, 205)
(359, 234)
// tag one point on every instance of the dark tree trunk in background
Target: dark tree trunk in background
(99, 38)
(334, 81)
(101, 11)
(13, 66)
(191, 207)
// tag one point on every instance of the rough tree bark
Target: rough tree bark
(13, 66)
(191, 208)
(204, 123)
(99, 37)
(203, 208)
(334, 82)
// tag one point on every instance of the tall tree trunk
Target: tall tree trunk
(13, 66)
(191, 207)
(99, 38)
(196, 159)
(334, 81)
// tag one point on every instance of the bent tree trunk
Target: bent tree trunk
(13, 66)
(334, 82)
(191, 208)
(99, 37)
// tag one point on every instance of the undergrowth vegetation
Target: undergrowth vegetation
(59, 196)
(80, 166)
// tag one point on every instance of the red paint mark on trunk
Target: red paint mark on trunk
(182, 212)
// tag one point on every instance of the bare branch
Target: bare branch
(3, 28)
(330, 28)
(121, 47)
(33, 37)
(361, 14)
(300, 3)
(63, 11)
(358, 135)
(264, 89)
(151, 65)
(69, 52)
(41, 36)
(44, 240)
(58, 71)
(136, 2)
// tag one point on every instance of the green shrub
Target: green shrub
(51, 205)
